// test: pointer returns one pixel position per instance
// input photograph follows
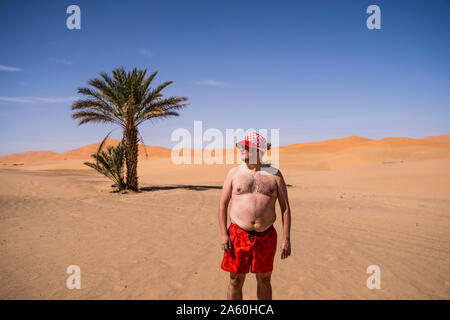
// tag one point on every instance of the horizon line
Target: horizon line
(225, 148)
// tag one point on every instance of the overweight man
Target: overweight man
(250, 242)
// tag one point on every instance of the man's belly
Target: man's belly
(253, 211)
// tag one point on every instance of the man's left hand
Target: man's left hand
(285, 248)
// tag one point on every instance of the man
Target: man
(251, 240)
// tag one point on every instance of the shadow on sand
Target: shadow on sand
(176, 186)
(180, 186)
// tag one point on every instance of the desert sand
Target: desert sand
(355, 202)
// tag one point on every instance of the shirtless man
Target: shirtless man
(251, 240)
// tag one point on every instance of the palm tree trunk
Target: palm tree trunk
(131, 157)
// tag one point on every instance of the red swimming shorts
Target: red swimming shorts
(250, 249)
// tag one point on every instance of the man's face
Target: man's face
(249, 154)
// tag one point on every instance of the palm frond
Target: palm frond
(87, 116)
(110, 163)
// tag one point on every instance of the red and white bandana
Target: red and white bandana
(254, 139)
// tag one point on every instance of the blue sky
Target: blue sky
(309, 68)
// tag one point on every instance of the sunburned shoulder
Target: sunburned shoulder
(273, 172)
(233, 170)
(268, 169)
(237, 169)
(265, 170)
(278, 173)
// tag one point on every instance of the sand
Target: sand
(355, 202)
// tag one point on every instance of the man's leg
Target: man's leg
(235, 286)
(264, 290)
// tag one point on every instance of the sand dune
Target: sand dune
(356, 203)
(357, 151)
(30, 156)
(329, 154)
(79, 153)
(441, 138)
(326, 146)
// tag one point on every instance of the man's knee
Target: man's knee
(237, 279)
(263, 278)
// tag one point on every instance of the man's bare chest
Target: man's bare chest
(255, 183)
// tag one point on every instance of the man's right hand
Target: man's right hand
(226, 243)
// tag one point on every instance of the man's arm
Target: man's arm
(285, 216)
(223, 210)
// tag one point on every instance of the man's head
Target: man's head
(252, 148)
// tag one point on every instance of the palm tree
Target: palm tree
(110, 163)
(126, 99)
